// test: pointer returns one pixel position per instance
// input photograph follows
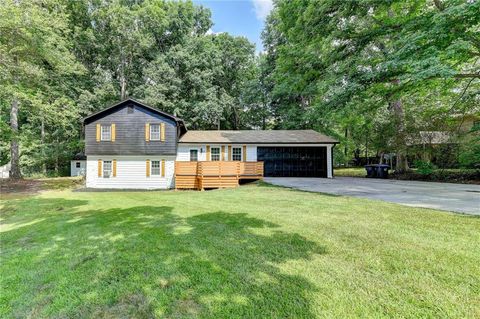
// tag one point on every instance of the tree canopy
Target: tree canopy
(371, 73)
(374, 71)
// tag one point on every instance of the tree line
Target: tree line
(366, 72)
(377, 73)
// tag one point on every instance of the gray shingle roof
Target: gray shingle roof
(257, 137)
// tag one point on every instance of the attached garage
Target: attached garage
(293, 161)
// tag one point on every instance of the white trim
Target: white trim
(110, 175)
(219, 153)
(159, 132)
(101, 132)
(159, 167)
(190, 155)
(241, 152)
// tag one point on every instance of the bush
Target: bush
(443, 175)
(470, 155)
(424, 168)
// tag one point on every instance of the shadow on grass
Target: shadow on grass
(269, 185)
(148, 261)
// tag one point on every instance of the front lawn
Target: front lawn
(253, 252)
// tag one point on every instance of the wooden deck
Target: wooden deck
(218, 174)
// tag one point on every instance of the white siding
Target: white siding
(183, 152)
(74, 171)
(131, 172)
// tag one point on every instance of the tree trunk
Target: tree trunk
(366, 148)
(400, 138)
(14, 149)
(264, 114)
(235, 119)
(42, 136)
(56, 159)
(122, 77)
(380, 159)
(123, 87)
(346, 147)
(439, 4)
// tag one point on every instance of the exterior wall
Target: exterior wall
(183, 152)
(131, 173)
(74, 171)
(130, 133)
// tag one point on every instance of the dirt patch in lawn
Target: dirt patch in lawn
(13, 188)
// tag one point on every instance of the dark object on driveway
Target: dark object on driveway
(377, 170)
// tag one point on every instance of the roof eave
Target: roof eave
(139, 103)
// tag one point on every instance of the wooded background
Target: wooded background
(371, 73)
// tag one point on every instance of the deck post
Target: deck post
(200, 184)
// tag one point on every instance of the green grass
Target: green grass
(251, 252)
(350, 172)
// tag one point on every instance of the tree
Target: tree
(33, 41)
(365, 56)
(201, 80)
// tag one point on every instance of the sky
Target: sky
(239, 17)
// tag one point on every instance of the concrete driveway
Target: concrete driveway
(461, 198)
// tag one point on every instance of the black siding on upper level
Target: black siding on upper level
(130, 132)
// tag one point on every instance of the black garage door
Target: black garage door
(293, 161)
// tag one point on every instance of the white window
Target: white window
(77, 164)
(193, 155)
(107, 169)
(215, 156)
(155, 167)
(154, 132)
(237, 154)
(106, 133)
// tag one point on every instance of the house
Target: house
(439, 147)
(133, 145)
(78, 165)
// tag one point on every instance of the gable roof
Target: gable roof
(179, 121)
(258, 137)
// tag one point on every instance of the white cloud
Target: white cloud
(262, 8)
(211, 32)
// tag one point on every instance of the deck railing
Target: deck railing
(215, 174)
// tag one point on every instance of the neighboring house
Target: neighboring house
(464, 124)
(78, 165)
(132, 145)
(441, 147)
